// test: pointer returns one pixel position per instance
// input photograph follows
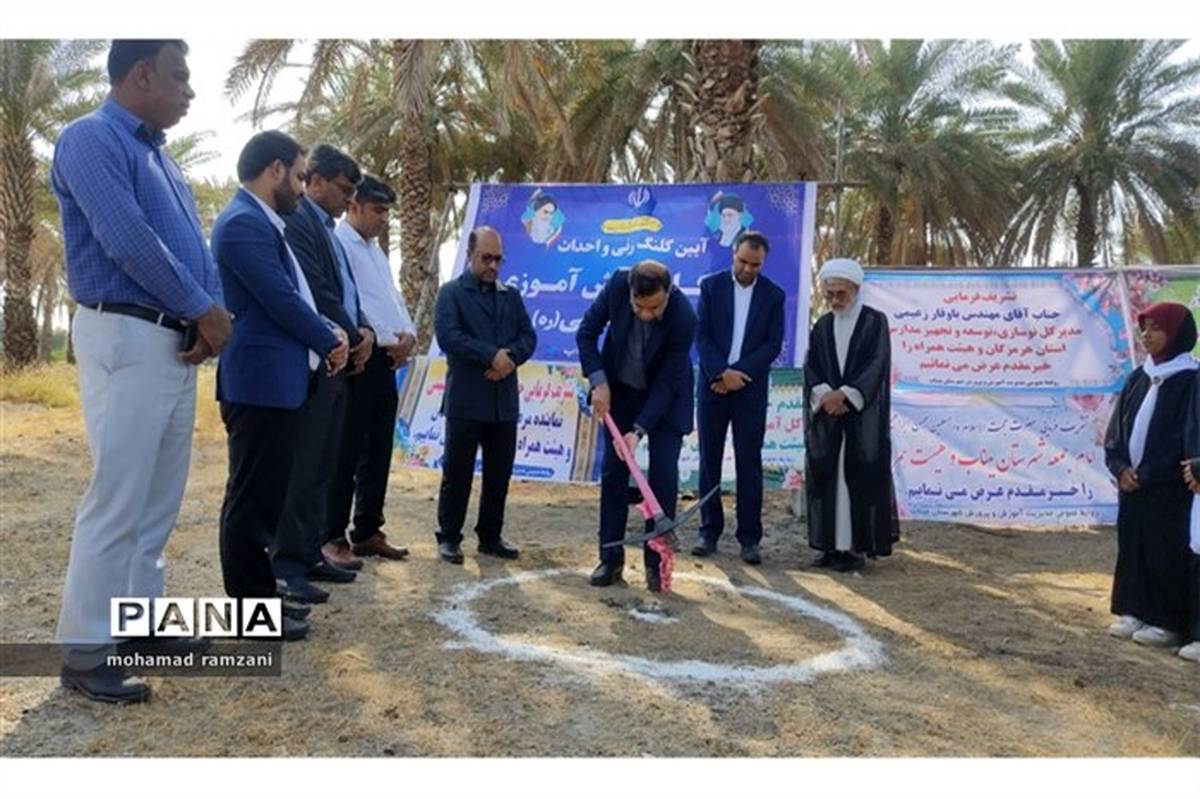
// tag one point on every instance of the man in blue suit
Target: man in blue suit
(644, 377)
(740, 333)
(268, 370)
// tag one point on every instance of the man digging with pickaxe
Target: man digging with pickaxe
(642, 387)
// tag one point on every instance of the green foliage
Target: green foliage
(1109, 149)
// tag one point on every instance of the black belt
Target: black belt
(138, 312)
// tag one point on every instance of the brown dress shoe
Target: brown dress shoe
(338, 553)
(378, 545)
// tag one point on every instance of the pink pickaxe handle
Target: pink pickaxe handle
(649, 505)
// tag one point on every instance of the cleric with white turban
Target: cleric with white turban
(851, 504)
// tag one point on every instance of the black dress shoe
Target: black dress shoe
(751, 555)
(607, 573)
(294, 629)
(106, 684)
(326, 572)
(451, 553)
(825, 560)
(848, 562)
(294, 610)
(298, 589)
(704, 548)
(499, 549)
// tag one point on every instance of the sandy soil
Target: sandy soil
(993, 642)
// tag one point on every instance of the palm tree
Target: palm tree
(43, 83)
(801, 86)
(1179, 242)
(187, 151)
(725, 109)
(425, 115)
(629, 112)
(1112, 137)
(930, 150)
(414, 68)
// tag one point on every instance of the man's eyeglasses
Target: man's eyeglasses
(347, 188)
(489, 260)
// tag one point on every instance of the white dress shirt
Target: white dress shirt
(314, 360)
(741, 313)
(381, 300)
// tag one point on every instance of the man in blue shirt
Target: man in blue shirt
(141, 273)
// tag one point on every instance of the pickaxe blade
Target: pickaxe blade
(665, 524)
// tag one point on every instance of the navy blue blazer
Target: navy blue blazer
(313, 245)
(265, 363)
(761, 343)
(470, 334)
(667, 357)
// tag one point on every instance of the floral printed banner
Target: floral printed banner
(1164, 284)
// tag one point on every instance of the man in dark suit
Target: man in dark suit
(739, 334)
(266, 373)
(483, 328)
(644, 377)
(315, 554)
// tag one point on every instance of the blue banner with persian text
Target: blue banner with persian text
(562, 242)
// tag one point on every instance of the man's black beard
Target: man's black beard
(286, 200)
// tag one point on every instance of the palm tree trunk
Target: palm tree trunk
(17, 171)
(49, 302)
(885, 232)
(1085, 225)
(70, 330)
(724, 110)
(415, 196)
(385, 239)
(416, 234)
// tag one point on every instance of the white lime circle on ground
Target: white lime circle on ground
(860, 651)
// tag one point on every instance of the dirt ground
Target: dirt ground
(993, 642)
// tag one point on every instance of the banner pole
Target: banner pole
(1127, 312)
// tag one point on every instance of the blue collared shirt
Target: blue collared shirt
(349, 292)
(130, 228)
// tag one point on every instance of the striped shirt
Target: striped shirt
(130, 228)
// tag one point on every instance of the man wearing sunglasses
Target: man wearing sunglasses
(847, 425)
(483, 328)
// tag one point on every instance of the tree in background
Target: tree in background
(414, 66)
(43, 85)
(724, 110)
(1112, 147)
(921, 134)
